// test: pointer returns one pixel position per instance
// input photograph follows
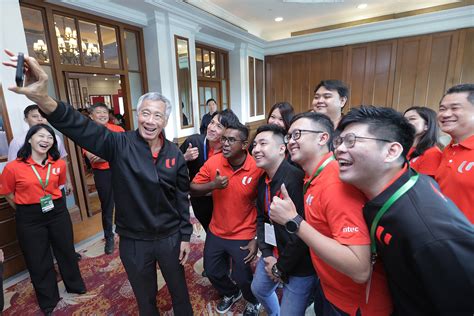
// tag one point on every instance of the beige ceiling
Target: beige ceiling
(257, 16)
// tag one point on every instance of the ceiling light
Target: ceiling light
(362, 6)
(278, 19)
(106, 79)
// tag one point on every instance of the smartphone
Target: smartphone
(20, 73)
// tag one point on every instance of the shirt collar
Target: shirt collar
(30, 161)
(326, 156)
(245, 166)
(393, 185)
(467, 143)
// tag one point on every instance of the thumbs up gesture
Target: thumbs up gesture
(191, 153)
(220, 182)
(282, 209)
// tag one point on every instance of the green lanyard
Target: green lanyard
(39, 178)
(323, 165)
(402, 190)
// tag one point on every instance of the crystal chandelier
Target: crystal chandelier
(41, 50)
(67, 46)
(90, 52)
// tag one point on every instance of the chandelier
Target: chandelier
(41, 50)
(67, 45)
(90, 52)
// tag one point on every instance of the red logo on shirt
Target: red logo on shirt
(170, 163)
(386, 239)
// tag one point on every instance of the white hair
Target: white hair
(155, 96)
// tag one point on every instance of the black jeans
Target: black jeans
(323, 307)
(216, 264)
(38, 233)
(103, 184)
(139, 257)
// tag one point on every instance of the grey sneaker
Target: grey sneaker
(226, 303)
(252, 309)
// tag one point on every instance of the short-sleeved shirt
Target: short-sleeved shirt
(19, 178)
(455, 175)
(104, 165)
(428, 162)
(234, 215)
(17, 143)
(334, 209)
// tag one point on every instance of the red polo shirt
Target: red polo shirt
(103, 165)
(428, 162)
(455, 175)
(334, 209)
(234, 215)
(19, 178)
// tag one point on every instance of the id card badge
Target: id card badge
(270, 235)
(46, 203)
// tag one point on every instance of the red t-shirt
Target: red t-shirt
(103, 165)
(334, 209)
(428, 162)
(234, 215)
(19, 178)
(455, 175)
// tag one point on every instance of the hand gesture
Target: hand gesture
(191, 153)
(252, 248)
(184, 251)
(282, 209)
(270, 261)
(220, 182)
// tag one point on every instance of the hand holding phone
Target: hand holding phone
(20, 72)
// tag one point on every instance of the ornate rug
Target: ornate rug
(110, 293)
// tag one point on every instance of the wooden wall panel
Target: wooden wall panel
(251, 86)
(397, 73)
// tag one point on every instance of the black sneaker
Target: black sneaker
(226, 303)
(109, 245)
(252, 309)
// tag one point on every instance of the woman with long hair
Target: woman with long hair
(281, 114)
(31, 185)
(425, 155)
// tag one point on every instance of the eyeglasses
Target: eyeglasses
(157, 116)
(350, 139)
(296, 134)
(231, 140)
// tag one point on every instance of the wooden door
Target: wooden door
(207, 90)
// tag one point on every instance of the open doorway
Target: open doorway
(85, 89)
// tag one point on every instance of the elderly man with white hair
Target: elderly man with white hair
(150, 182)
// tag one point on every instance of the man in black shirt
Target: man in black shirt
(292, 265)
(206, 119)
(424, 241)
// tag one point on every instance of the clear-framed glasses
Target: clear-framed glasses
(231, 140)
(350, 139)
(296, 134)
(157, 116)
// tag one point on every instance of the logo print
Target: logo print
(56, 171)
(309, 199)
(170, 163)
(386, 238)
(246, 180)
(468, 167)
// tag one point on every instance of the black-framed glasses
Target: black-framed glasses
(350, 139)
(231, 140)
(296, 134)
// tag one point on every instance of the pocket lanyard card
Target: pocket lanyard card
(270, 235)
(46, 203)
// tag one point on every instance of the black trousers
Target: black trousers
(103, 184)
(216, 264)
(38, 233)
(139, 257)
(1, 288)
(324, 307)
(202, 207)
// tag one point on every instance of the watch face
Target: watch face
(291, 226)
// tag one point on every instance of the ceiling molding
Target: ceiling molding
(409, 26)
(214, 41)
(185, 24)
(111, 10)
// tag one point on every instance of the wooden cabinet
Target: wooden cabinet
(397, 73)
(14, 261)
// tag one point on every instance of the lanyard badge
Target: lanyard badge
(46, 201)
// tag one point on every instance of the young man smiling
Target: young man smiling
(150, 182)
(456, 118)
(285, 258)
(334, 228)
(425, 243)
(99, 113)
(231, 176)
(330, 96)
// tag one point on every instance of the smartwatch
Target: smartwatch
(293, 225)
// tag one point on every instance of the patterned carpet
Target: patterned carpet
(109, 292)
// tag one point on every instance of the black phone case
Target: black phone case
(19, 77)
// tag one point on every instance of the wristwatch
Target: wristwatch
(276, 273)
(293, 225)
